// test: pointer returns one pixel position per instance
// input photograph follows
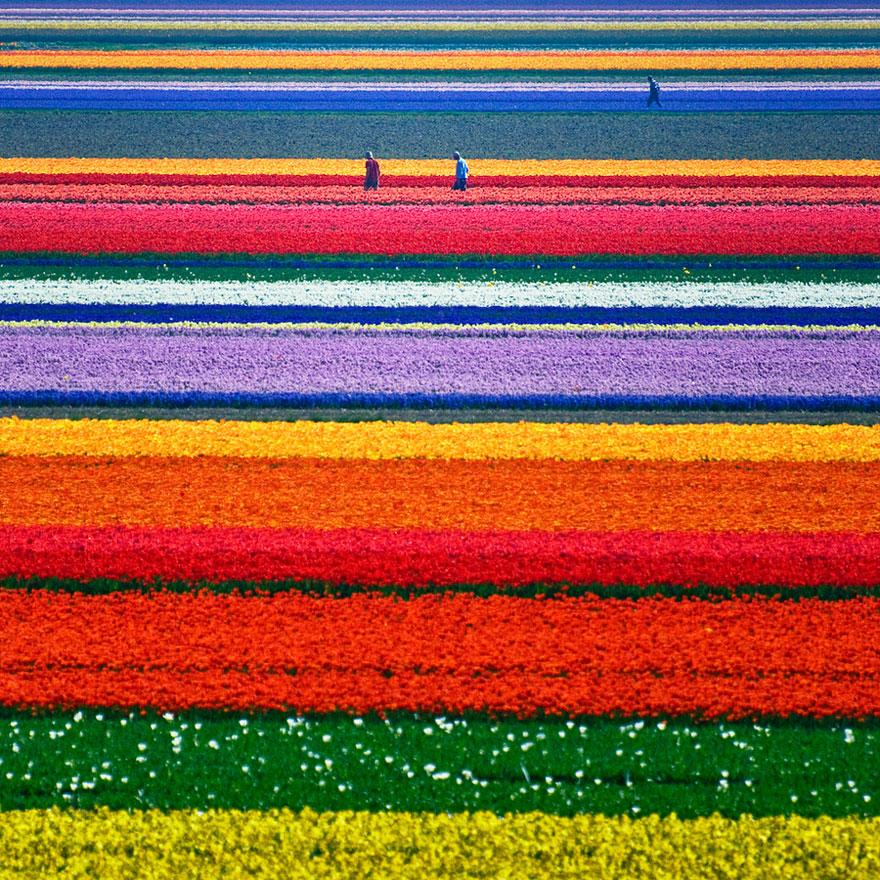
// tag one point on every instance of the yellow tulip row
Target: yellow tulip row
(399, 846)
(176, 59)
(396, 440)
(430, 167)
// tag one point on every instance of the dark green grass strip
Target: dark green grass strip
(512, 135)
(595, 268)
(410, 762)
(104, 586)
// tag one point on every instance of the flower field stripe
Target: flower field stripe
(96, 759)
(493, 229)
(404, 845)
(410, 85)
(454, 367)
(722, 60)
(718, 319)
(424, 559)
(272, 21)
(420, 440)
(757, 186)
(128, 324)
(571, 656)
(412, 14)
(598, 300)
(442, 327)
(519, 495)
(430, 191)
(384, 403)
(433, 97)
(484, 167)
(297, 273)
(772, 135)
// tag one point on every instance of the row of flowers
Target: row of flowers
(580, 365)
(542, 170)
(330, 559)
(514, 495)
(413, 96)
(825, 270)
(827, 176)
(89, 758)
(487, 229)
(404, 846)
(380, 440)
(735, 658)
(259, 287)
(394, 193)
(359, 60)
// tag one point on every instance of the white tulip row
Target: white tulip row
(466, 293)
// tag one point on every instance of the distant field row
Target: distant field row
(408, 135)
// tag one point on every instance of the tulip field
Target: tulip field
(525, 531)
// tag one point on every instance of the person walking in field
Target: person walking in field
(654, 94)
(371, 181)
(461, 172)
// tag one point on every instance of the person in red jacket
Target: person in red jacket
(371, 181)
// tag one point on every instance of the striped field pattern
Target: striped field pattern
(525, 531)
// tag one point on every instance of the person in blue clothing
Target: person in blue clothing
(461, 172)
(654, 94)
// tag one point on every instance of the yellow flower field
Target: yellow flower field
(390, 440)
(414, 846)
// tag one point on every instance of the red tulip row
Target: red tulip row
(439, 229)
(392, 181)
(293, 193)
(736, 658)
(418, 557)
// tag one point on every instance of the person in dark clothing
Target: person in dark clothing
(461, 172)
(654, 94)
(371, 181)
